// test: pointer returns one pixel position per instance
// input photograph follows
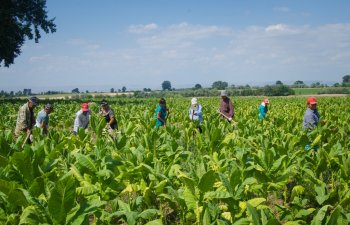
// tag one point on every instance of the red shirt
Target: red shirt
(226, 107)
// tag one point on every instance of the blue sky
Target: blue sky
(139, 44)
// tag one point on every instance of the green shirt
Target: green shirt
(25, 119)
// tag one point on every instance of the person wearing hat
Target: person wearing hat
(311, 116)
(82, 118)
(42, 119)
(226, 107)
(108, 114)
(311, 119)
(263, 108)
(26, 119)
(161, 113)
(195, 113)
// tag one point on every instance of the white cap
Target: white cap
(223, 93)
(194, 101)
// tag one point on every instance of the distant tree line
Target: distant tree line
(278, 89)
(25, 92)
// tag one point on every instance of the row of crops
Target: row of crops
(245, 172)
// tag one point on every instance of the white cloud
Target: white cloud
(187, 53)
(276, 28)
(138, 29)
(182, 35)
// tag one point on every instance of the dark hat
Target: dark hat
(48, 106)
(162, 101)
(104, 102)
(34, 100)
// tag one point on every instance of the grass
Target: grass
(313, 91)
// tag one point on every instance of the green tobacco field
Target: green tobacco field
(239, 173)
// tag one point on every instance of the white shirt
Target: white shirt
(81, 120)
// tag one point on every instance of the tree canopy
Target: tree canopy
(21, 19)
(219, 85)
(76, 90)
(166, 85)
(346, 79)
(279, 82)
(197, 86)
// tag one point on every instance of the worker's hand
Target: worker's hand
(29, 132)
(31, 138)
(230, 119)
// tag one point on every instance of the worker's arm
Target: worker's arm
(160, 118)
(43, 125)
(231, 113)
(111, 121)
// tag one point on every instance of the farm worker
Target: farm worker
(311, 118)
(42, 119)
(108, 114)
(226, 107)
(26, 119)
(195, 113)
(263, 108)
(82, 118)
(162, 113)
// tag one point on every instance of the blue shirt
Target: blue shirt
(311, 119)
(162, 111)
(42, 117)
(262, 111)
(196, 113)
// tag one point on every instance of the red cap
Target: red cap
(85, 107)
(311, 100)
(266, 101)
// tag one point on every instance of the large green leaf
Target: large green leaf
(32, 215)
(22, 162)
(148, 214)
(8, 186)
(207, 181)
(155, 222)
(79, 214)
(20, 197)
(189, 183)
(318, 219)
(242, 221)
(322, 196)
(337, 217)
(85, 162)
(254, 214)
(190, 199)
(206, 217)
(62, 199)
(278, 163)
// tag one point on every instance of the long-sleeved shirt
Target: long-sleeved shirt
(81, 120)
(25, 119)
(196, 113)
(262, 111)
(226, 107)
(311, 119)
